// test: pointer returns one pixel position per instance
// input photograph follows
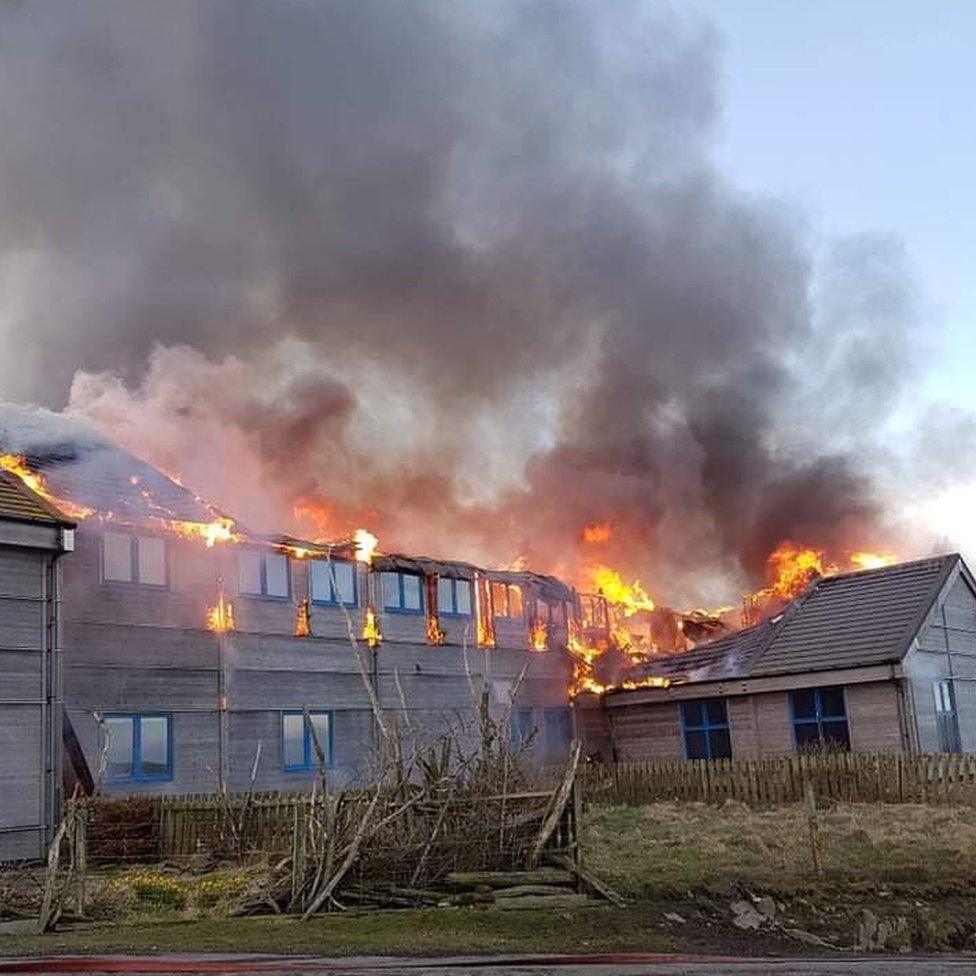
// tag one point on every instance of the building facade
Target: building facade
(880, 660)
(33, 537)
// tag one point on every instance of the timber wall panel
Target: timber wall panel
(872, 717)
(743, 727)
(647, 732)
(774, 729)
(21, 573)
(21, 772)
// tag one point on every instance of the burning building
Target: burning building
(193, 647)
(881, 659)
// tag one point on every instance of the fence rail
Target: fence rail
(835, 777)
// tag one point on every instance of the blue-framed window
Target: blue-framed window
(133, 559)
(521, 726)
(946, 716)
(705, 727)
(297, 746)
(140, 747)
(340, 590)
(454, 597)
(402, 592)
(264, 574)
(506, 599)
(557, 725)
(819, 718)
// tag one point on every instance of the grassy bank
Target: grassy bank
(418, 933)
(668, 848)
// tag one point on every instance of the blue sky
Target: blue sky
(863, 114)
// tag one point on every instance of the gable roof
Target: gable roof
(852, 620)
(856, 619)
(19, 504)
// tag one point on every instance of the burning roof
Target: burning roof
(848, 620)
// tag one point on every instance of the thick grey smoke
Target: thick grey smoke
(463, 268)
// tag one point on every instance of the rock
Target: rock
(809, 938)
(875, 933)
(744, 916)
(675, 917)
(766, 906)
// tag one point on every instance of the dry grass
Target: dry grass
(668, 847)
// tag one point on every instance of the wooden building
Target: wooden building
(33, 536)
(878, 660)
(189, 667)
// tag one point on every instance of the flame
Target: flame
(485, 626)
(630, 599)
(303, 625)
(366, 544)
(17, 464)
(298, 552)
(873, 560)
(220, 530)
(435, 634)
(220, 617)
(371, 628)
(597, 534)
(539, 635)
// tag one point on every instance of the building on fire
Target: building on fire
(193, 648)
(875, 660)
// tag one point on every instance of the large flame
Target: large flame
(371, 628)
(220, 530)
(630, 599)
(220, 617)
(366, 544)
(17, 464)
(873, 560)
(539, 635)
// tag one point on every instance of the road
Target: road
(616, 965)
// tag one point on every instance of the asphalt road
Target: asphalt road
(617, 965)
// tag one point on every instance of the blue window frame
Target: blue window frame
(558, 726)
(521, 726)
(266, 574)
(297, 747)
(454, 597)
(705, 728)
(819, 718)
(324, 586)
(402, 592)
(140, 747)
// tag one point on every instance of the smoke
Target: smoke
(460, 270)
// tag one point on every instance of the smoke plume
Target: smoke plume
(460, 270)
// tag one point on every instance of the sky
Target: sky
(863, 114)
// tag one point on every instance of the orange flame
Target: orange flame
(630, 599)
(435, 633)
(220, 617)
(371, 628)
(873, 560)
(539, 635)
(220, 530)
(303, 625)
(17, 464)
(366, 544)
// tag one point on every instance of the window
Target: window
(946, 717)
(133, 559)
(521, 726)
(558, 724)
(819, 718)
(139, 747)
(593, 610)
(297, 745)
(325, 589)
(402, 592)
(453, 597)
(506, 600)
(263, 574)
(705, 726)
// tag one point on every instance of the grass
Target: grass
(666, 848)
(402, 933)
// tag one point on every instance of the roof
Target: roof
(856, 619)
(852, 620)
(19, 504)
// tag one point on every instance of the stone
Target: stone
(744, 916)
(675, 917)
(766, 906)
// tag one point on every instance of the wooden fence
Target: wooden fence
(847, 777)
